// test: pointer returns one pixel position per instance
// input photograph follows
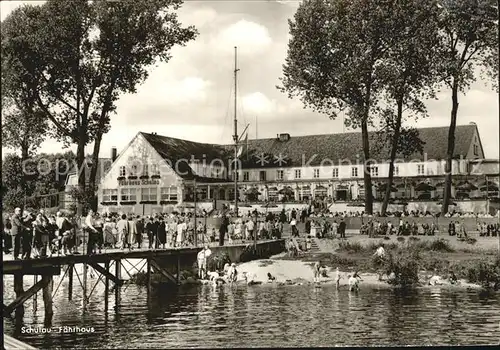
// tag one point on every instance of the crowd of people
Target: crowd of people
(31, 235)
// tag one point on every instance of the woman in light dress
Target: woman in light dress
(313, 229)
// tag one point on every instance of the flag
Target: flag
(243, 147)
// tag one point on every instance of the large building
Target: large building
(156, 173)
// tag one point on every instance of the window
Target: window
(297, 174)
(354, 172)
(279, 174)
(133, 170)
(316, 173)
(122, 171)
(476, 150)
(246, 176)
(374, 171)
(237, 175)
(155, 170)
(262, 175)
(169, 194)
(128, 194)
(396, 170)
(420, 169)
(110, 195)
(335, 172)
(145, 170)
(216, 172)
(149, 194)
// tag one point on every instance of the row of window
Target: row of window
(153, 168)
(316, 173)
(146, 194)
(147, 169)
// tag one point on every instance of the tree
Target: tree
(84, 54)
(408, 144)
(411, 73)
(469, 34)
(42, 174)
(24, 126)
(334, 60)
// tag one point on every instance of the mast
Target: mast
(235, 136)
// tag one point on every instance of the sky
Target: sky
(192, 96)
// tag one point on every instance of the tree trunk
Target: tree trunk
(366, 169)
(451, 148)
(95, 163)
(80, 168)
(24, 180)
(394, 149)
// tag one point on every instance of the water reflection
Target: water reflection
(267, 315)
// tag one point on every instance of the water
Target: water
(266, 315)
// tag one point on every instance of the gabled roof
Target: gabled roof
(180, 152)
(317, 148)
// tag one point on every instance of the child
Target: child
(317, 273)
(337, 278)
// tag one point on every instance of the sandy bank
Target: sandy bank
(299, 272)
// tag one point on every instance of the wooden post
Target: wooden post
(118, 274)
(106, 288)
(148, 276)
(47, 299)
(70, 281)
(85, 268)
(18, 289)
(178, 268)
(35, 280)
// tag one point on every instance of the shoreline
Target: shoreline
(300, 272)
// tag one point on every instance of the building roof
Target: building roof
(180, 152)
(314, 149)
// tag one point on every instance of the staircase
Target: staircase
(314, 246)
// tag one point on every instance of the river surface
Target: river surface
(265, 315)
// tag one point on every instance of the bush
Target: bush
(441, 245)
(401, 239)
(405, 266)
(471, 240)
(414, 239)
(485, 273)
(350, 247)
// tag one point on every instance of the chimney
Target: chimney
(113, 154)
(284, 137)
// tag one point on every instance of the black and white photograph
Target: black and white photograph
(250, 173)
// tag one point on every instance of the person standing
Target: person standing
(337, 278)
(91, 231)
(27, 236)
(131, 234)
(151, 232)
(161, 232)
(223, 229)
(139, 230)
(122, 228)
(342, 227)
(17, 232)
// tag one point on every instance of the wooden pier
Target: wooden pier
(10, 343)
(109, 266)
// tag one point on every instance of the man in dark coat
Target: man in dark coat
(342, 228)
(17, 230)
(151, 230)
(223, 229)
(139, 230)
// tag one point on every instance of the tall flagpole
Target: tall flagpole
(256, 130)
(235, 136)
